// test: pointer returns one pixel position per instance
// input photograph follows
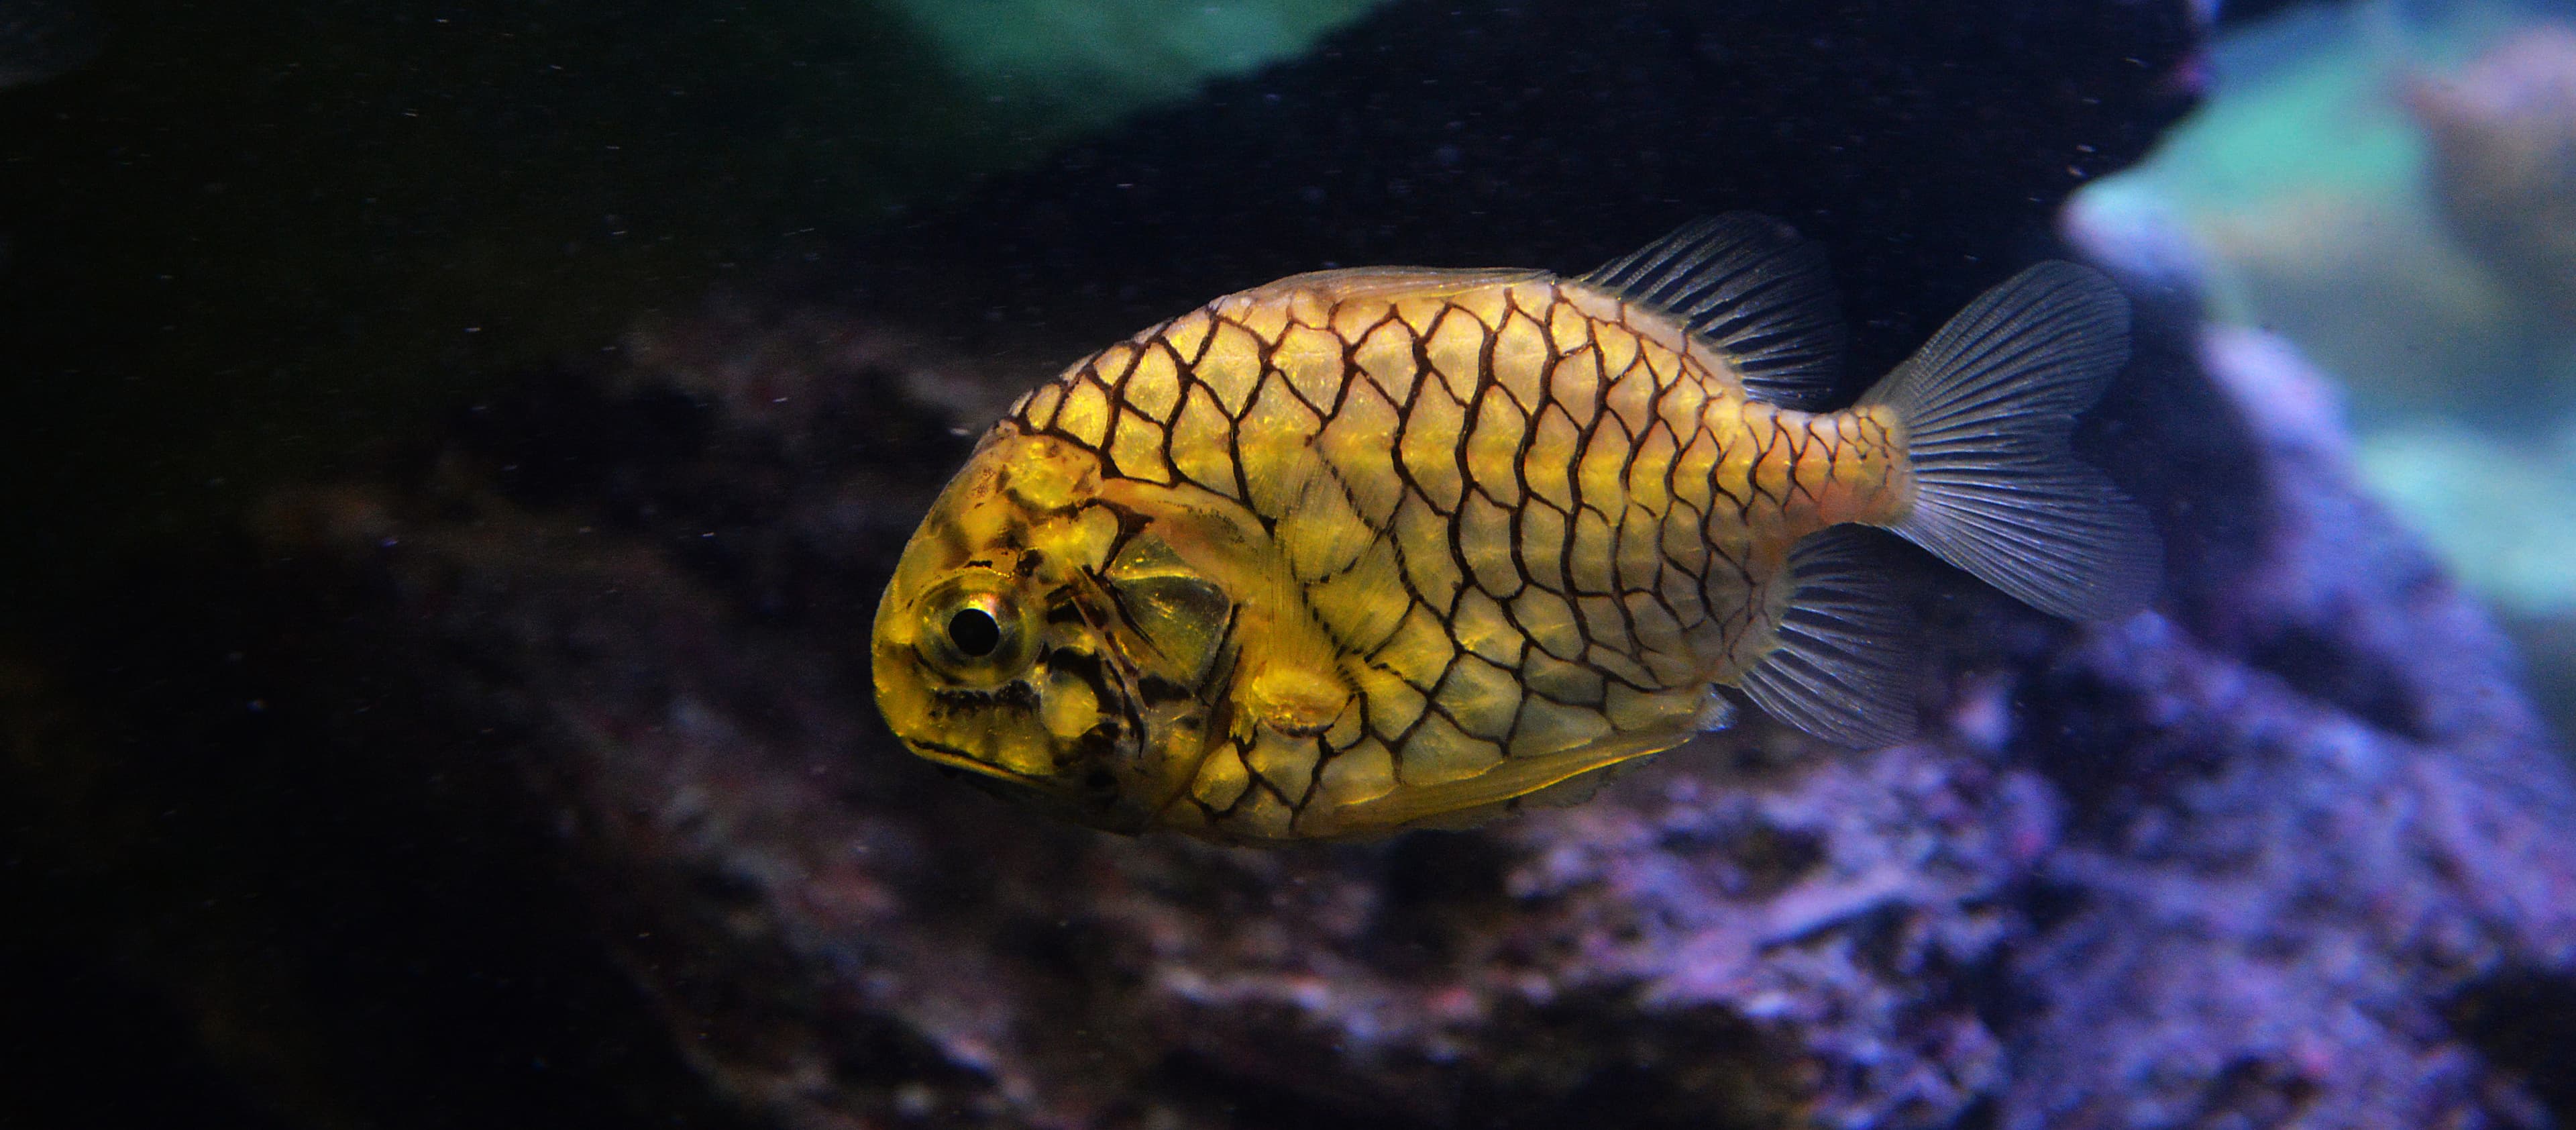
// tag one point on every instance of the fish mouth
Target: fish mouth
(1052, 796)
(954, 757)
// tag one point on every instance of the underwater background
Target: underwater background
(455, 449)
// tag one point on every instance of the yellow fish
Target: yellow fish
(1363, 550)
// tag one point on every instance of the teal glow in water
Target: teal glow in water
(1090, 62)
(2302, 197)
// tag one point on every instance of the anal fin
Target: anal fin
(1844, 669)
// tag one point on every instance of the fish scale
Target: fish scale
(1501, 348)
(1371, 549)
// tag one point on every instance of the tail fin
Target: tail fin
(1988, 404)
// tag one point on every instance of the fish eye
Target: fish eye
(974, 632)
(973, 636)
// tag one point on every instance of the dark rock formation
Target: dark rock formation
(1927, 146)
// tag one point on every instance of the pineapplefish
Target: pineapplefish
(1363, 550)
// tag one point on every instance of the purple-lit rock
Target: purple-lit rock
(2288, 850)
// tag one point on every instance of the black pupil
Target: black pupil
(974, 632)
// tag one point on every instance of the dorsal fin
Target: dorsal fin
(1752, 288)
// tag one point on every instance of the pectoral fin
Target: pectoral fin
(1292, 699)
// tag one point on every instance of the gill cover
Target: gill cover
(1042, 636)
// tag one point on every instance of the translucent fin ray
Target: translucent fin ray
(1843, 669)
(1988, 405)
(1753, 289)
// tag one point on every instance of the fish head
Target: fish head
(1050, 640)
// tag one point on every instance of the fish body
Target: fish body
(1362, 550)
